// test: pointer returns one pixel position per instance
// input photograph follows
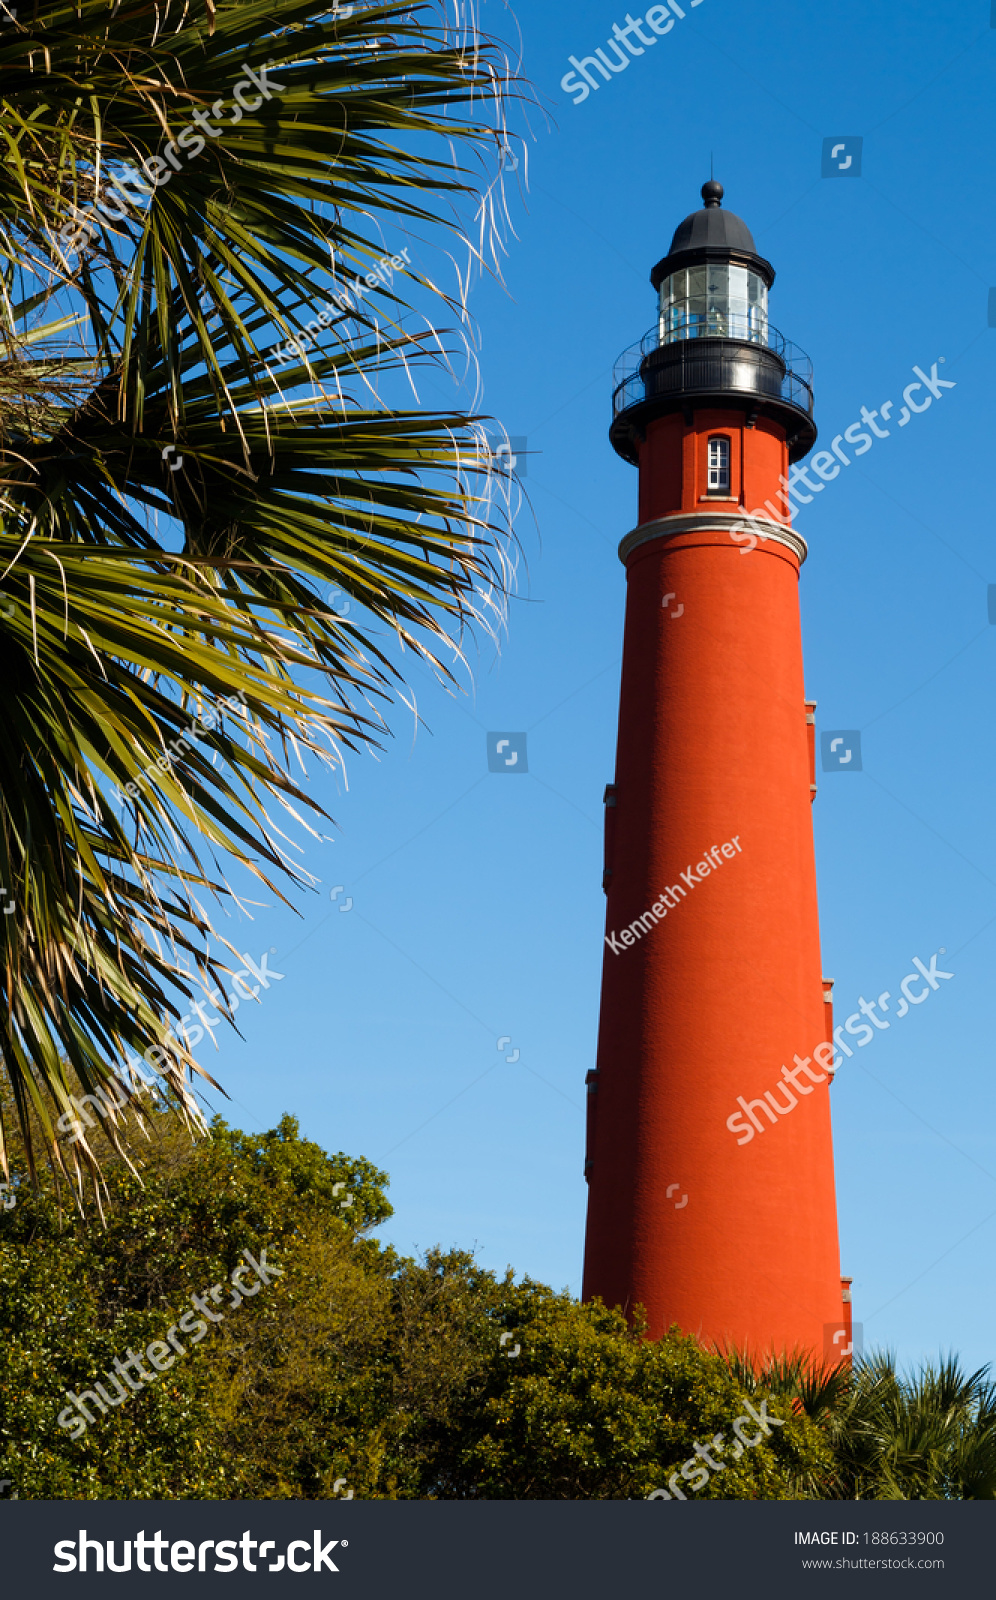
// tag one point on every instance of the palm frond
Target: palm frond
(176, 505)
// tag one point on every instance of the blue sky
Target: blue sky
(476, 909)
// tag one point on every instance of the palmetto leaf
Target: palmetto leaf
(176, 504)
(275, 195)
(928, 1437)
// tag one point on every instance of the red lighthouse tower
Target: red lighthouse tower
(709, 1159)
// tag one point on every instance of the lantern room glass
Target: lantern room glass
(715, 301)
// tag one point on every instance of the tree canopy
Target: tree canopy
(388, 1376)
(355, 1370)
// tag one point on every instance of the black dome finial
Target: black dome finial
(711, 233)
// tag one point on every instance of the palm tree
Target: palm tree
(183, 187)
(931, 1436)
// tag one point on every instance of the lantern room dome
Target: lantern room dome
(709, 234)
(712, 225)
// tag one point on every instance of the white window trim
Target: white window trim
(718, 465)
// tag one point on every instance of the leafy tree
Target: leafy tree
(355, 1371)
(594, 1410)
(73, 1298)
(182, 186)
(361, 1371)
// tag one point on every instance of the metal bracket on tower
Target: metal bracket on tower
(609, 801)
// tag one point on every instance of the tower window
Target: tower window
(719, 466)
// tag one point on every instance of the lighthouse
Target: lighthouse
(709, 1157)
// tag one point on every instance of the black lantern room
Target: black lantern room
(713, 344)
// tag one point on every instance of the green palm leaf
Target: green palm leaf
(175, 505)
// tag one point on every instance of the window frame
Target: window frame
(723, 467)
